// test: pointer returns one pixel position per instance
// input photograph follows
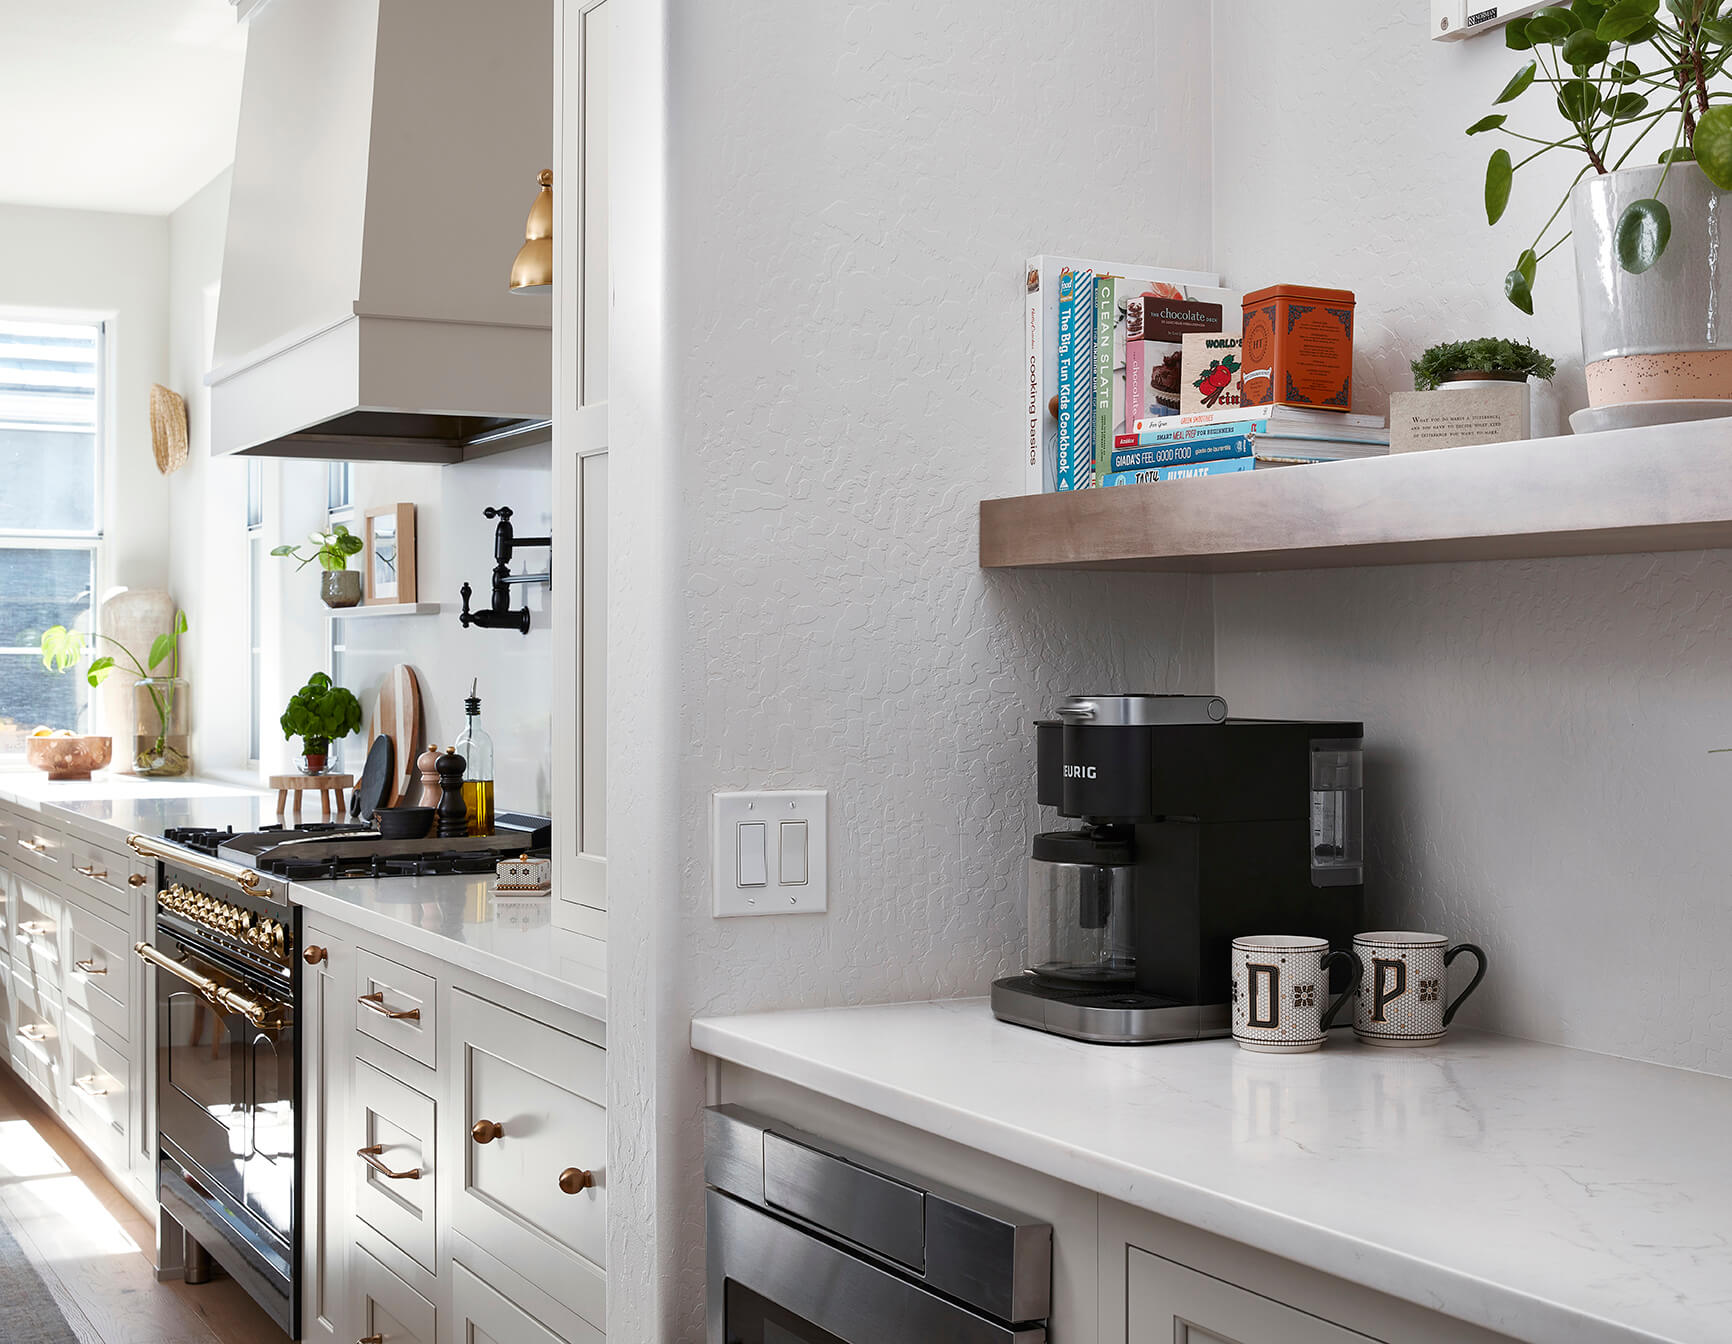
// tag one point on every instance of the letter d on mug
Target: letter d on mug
(1280, 987)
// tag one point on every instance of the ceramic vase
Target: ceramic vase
(341, 587)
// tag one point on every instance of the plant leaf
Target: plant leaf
(1625, 72)
(159, 649)
(1554, 24)
(1583, 50)
(1518, 85)
(1499, 177)
(98, 671)
(1682, 154)
(1713, 145)
(1528, 264)
(1626, 106)
(1718, 29)
(1579, 100)
(283, 550)
(180, 622)
(1643, 231)
(1626, 19)
(1515, 35)
(1518, 289)
(1491, 123)
(1590, 12)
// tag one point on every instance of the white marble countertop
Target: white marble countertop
(455, 919)
(460, 921)
(1550, 1194)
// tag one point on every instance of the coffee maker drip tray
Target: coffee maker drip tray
(1106, 1016)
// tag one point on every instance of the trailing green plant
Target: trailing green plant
(62, 648)
(1617, 69)
(1488, 354)
(319, 713)
(330, 549)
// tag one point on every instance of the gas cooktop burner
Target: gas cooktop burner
(207, 840)
(431, 864)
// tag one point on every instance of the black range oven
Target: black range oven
(227, 1074)
(809, 1243)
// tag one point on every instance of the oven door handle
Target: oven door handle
(149, 847)
(219, 995)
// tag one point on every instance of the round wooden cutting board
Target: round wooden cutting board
(398, 717)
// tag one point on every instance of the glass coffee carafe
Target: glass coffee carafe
(1081, 917)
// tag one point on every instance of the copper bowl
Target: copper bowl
(69, 757)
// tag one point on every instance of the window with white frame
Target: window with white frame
(256, 556)
(51, 419)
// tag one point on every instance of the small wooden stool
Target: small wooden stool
(325, 784)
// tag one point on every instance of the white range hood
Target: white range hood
(385, 162)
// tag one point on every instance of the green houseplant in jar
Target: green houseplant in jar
(162, 701)
(319, 714)
(339, 586)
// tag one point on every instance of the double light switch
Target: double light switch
(769, 853)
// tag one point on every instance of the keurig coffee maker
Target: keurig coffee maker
(1195, 828)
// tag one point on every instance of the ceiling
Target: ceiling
(116, 104)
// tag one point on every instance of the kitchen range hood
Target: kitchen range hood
(383, 158)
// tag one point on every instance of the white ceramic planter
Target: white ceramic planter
(1665, 335)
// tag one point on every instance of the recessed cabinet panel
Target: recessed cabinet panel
(101, 874)
(387, 1307)
(97, 1097)
(484, 1317)
(1167, 1303)
(98, 971)
(396, 1181)
(36, 1019)
(36, 846)
(394, 1005)
(532, 1133)
(37, 913)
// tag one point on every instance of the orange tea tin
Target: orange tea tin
(1299, 348)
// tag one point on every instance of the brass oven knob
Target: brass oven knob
(314, 955)
(574, 1179)
(485, 1131)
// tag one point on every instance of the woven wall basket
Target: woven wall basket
(167, 428)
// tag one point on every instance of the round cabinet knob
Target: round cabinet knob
(485, 1131)
(314, 955)
(574, 1179)
(137, 880)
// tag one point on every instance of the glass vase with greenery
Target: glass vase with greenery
(320, 713)
(161, 734)
(1616, 72)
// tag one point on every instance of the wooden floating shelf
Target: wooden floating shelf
(382, 609)
(1663, 488)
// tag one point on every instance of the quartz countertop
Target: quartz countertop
(461, 921)
(1547, 1193)
(455, 919)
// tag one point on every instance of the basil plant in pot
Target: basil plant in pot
(318, 714)
(339, 585)
(1639, 93)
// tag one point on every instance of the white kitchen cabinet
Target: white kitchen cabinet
(326, 1030)
(386, 1308)
(1169, 1304)
(581, 298)
(485, 1316)
(396, 1190)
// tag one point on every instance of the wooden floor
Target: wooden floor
(85, 1239)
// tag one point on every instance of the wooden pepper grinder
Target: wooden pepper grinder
(428, 764)
(453, 815)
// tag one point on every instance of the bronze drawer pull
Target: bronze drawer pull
(90, 870)
(371, 1339)
(486, 1131)
(137, 880)
(34, 846)
(89, 967)
(376, 1001)
(36, 928)
(370, 1155)
(574, 1179)
(87, 1085)
(34, 1032)
(314, 955)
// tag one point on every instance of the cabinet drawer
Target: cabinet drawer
(485, 1317)
(37, 913)
(1166, 1303)
(37, 846)
(386, 1307)
(400, 1123)
(103, 875)
(528, 1124)
(97, 1091)
(394, 1005)
(98, 970)
(36, 1018)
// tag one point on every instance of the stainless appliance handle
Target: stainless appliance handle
(844, 1295)
(220, 995)
(149, 847)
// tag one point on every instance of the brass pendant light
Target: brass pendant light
(532, 272)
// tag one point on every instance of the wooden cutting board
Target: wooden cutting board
(397, 716)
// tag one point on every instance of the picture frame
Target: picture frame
(388, 555)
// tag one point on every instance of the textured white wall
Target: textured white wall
(1538, 733)
(852, 192)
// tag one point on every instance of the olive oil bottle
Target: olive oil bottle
(476, 749)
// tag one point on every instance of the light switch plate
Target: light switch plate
(735, 818)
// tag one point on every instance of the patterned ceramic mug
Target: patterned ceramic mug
(1401, 996)
(1280, 986)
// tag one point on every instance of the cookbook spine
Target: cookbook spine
(1036, 477)
(1105, 313)
(1075, 380)
(1146, 456)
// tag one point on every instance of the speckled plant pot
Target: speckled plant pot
(1666, 334)
(341, 587)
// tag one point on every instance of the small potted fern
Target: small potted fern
(1458, 365)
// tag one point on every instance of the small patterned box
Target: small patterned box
(524, 876)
